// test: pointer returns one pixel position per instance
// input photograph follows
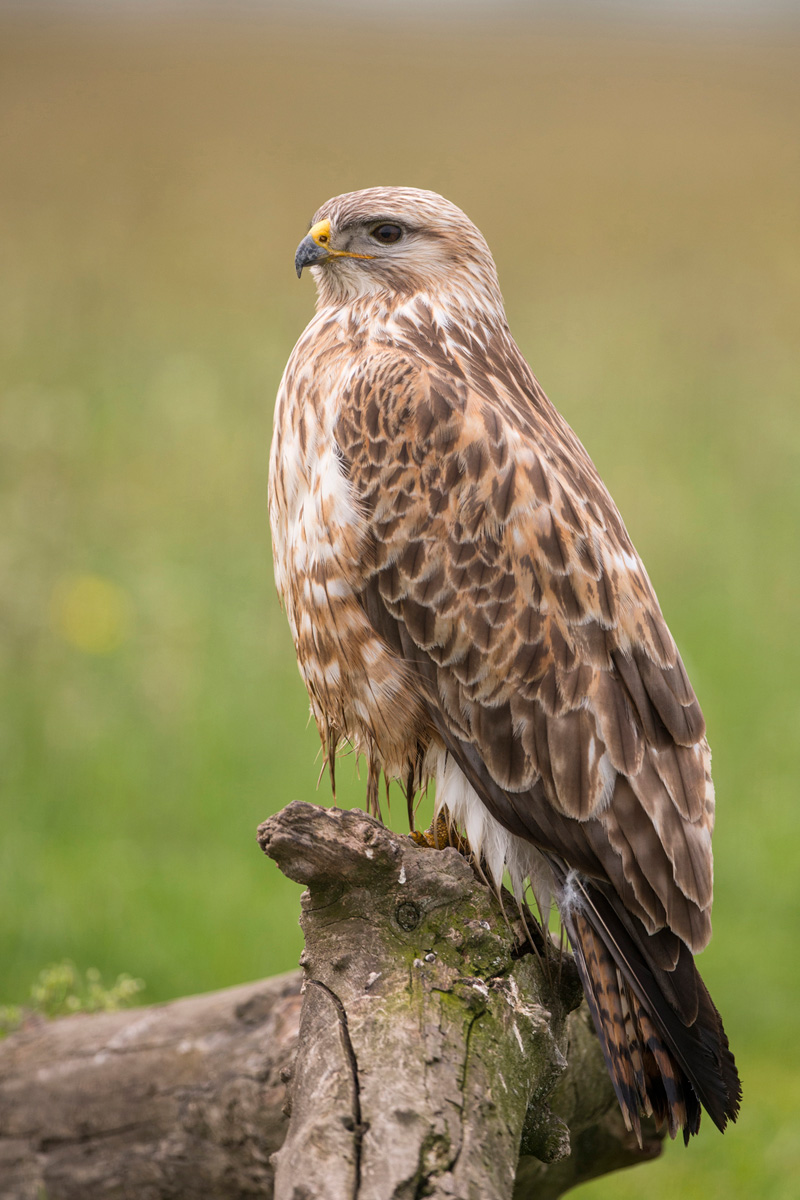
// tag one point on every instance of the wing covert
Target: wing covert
(500, 569)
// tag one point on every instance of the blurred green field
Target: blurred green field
(641, 195)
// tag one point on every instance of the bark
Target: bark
(435, 1044)
(182, 1100)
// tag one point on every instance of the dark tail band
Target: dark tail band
(662, 1038)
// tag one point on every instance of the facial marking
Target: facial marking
(321, 234)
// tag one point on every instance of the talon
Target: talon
(440, 834)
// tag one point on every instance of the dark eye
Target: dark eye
(387, 234)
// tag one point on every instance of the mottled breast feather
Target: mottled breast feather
(322, 542)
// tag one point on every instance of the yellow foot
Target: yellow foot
(441, 833)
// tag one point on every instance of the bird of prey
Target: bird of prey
(467, 607)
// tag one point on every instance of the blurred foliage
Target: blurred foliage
(61, 989)
(640, 195)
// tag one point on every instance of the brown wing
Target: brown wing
(503, 571)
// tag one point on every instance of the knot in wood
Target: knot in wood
(407, 915)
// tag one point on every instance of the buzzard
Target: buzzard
(467, 607)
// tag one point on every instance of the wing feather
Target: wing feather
(511, 584)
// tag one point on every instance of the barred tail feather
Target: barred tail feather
(662, 1038)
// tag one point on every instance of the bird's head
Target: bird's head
(400, 242)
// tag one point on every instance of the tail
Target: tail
(662, 1038)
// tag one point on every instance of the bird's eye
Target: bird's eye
(387, 234)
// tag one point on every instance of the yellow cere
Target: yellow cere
(321, 232)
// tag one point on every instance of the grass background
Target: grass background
(640, 191)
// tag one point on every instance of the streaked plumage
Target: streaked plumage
(467, 606)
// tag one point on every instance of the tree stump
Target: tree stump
(435, 1037)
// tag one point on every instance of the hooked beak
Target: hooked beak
(308, 253)
(314, 248)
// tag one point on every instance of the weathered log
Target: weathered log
(182, 1100)
(433, 1045)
